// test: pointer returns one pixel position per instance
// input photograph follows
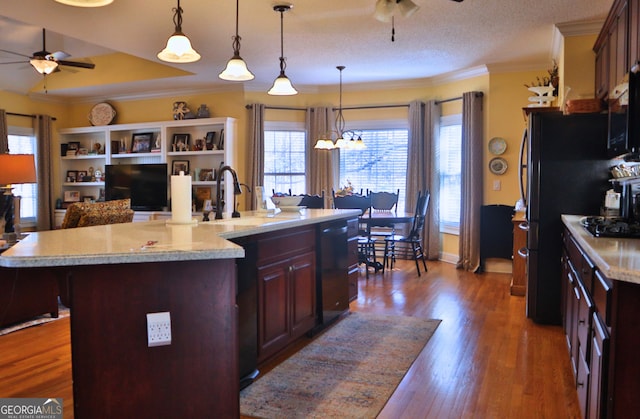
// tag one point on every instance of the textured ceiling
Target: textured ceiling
(442, 37)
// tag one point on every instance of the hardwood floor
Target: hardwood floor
(485, 360)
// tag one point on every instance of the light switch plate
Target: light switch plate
(158, 329)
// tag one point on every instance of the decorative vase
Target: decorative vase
(203, 111)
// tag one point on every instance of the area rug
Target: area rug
(350, 371)
(35, 321)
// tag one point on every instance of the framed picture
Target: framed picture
(81, 175)
(180, 166)
(181, 142)
(72, 175)
(73, 145)
(220, 142)
(141, 142)
(210, 140)
(71, 196)
(205, 175)
(202, 194)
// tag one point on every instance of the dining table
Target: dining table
(388, 219)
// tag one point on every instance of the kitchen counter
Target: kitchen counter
(154, 241)
(617, 258)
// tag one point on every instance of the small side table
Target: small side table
(519, 280)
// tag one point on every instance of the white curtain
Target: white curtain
(472, 191)
(43, 130)
(423, 170)
(255, 152)
(322, 165)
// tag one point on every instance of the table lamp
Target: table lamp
(14, 168)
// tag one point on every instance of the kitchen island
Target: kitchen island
(119, 273)
(601, 312)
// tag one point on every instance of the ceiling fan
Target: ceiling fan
(46, 62)
(385, 9)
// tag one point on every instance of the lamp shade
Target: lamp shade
(17, 168)
(282, 87)
(85, 3)
(324, 144)
(178, 50)
(236, 70)
(43, 66)
(407, 7)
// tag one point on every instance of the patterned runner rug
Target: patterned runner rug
(350, 371)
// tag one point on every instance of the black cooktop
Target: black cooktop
(611, 227)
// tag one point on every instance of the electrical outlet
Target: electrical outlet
(158, 329)
(497, 185)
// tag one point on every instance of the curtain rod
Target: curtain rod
(25, 115)
(478, 94)
(287, 108)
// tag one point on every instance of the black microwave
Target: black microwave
(624, 117)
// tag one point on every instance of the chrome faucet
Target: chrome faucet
(236, 191)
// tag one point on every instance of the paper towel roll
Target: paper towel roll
(181, 199)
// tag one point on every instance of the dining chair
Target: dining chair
(366, 243)
(313, 201)
(413, 239)
(381, 203)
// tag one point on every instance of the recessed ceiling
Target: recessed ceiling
(123, 38)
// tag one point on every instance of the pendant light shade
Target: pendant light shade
(282, 85)
(236, 69)
(85, 3)
(178, 49)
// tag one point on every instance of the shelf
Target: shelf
(129, 155)
(203, 183)
(196, 153)
(82, 184)
(84, 157)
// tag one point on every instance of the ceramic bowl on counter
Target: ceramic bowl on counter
(286, 201)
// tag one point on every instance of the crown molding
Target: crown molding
(586, 27)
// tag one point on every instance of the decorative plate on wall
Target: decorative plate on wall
(498, 165)
(497, 145)
(102, 114)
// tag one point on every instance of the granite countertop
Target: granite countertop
(155, 241)
(617, 258)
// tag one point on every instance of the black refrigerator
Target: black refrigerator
(566, 173)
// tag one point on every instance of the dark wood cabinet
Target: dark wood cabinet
(352, 248)
(600, 320)
(602, 71)
(634, 31)
(286, 288)
(612, 48)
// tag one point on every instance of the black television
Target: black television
(144, 184)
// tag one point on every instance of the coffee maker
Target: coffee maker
(630, 201)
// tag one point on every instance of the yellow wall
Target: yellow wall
(505, 96)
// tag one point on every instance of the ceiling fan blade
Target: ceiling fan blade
(15, 53)
(459, 1)
(59, 55)
(14, 62)
(76, 64)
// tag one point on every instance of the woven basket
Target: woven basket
(583, 106)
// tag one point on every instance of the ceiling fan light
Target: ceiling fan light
(407, 7)
(85, 3)
(282, 87)
(43, 66)
(236, 70)
(179, 50)
(384, 10)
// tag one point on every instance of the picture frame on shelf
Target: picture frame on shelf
(71, 196)
(82, 174)
(156, 147)
(72, 148)
(210, 140)
(180, 165)
(206, 175)
(220, 142)
(181, 142)
(202, 194)
(72, 176)
(141, 142)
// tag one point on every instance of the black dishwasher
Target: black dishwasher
(332, 284)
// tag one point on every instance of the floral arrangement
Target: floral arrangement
(346, 189)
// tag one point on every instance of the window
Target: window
(382, 166)
(285, 158)
(450, 144)
(22, 141)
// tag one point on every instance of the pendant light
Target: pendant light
(282, 85)
(236, 69)
(178, 49)
(85, 3)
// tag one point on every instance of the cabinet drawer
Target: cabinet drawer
(585, 310)
(352, 227)
(279, 246)
(602, 292)
(583, 265)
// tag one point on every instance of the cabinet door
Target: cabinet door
(599, 369)
(302, 279)
(354, 270)
(273, 309)
(602, 71)
(634, 31)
